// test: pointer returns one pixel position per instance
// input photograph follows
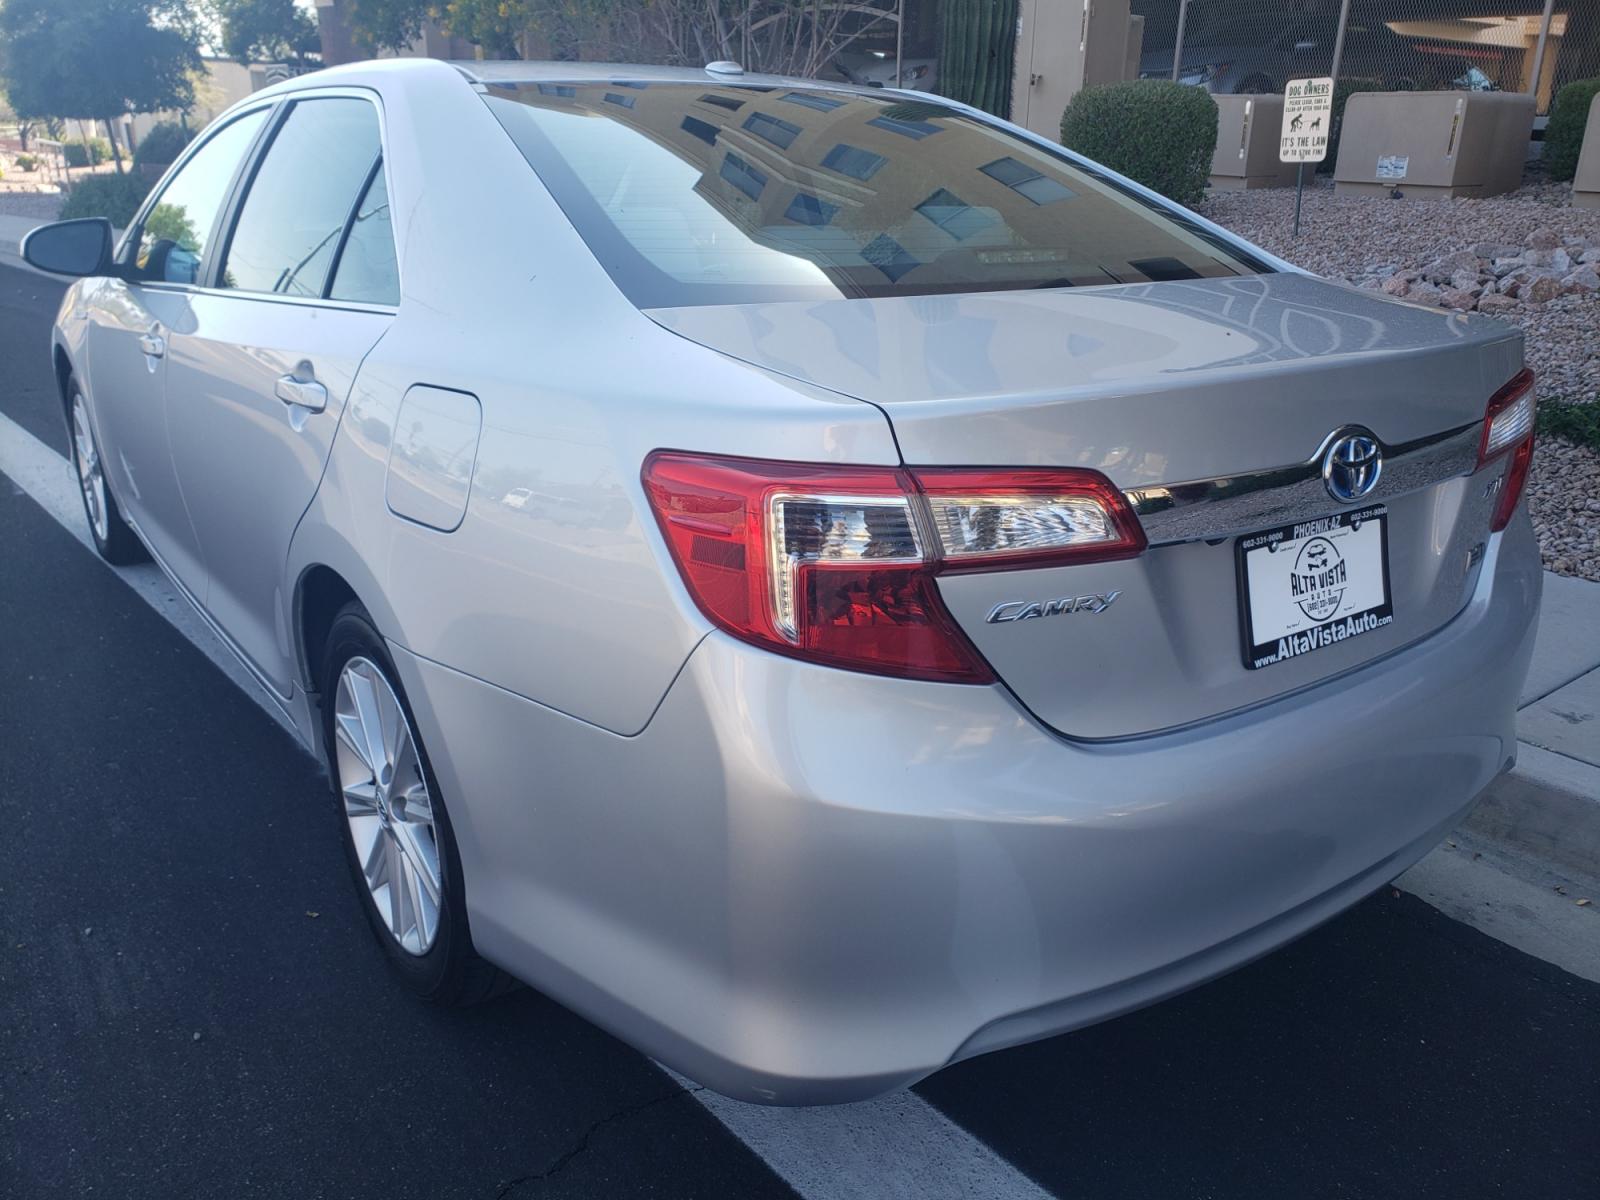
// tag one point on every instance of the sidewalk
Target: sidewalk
(12, 230)
(1550, 804)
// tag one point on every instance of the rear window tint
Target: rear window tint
(743, 194)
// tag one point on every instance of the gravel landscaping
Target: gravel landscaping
(1528, 258)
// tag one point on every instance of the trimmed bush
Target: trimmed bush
(86, 152)
(27, 162)
(1157, 132)
(115, 197)
(162, 145)
(1563, 136)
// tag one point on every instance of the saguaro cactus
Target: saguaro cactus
(977, 53)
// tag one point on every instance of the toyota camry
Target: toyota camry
(817, 579)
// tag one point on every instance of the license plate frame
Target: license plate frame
(1310, 602)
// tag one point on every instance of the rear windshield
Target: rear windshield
(691, 194)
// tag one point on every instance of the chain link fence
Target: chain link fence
(1424, 45)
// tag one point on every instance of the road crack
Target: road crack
(561, 1162)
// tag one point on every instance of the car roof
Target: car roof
(514, 72)
(377, 71)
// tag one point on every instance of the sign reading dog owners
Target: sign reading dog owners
(1307, 113)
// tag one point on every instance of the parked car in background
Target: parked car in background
(1226, 50)
(877, 68)
(817, 579)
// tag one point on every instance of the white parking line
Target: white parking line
(896, 1148)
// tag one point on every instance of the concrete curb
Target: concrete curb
(1548, 806)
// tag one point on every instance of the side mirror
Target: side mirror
(81, 247)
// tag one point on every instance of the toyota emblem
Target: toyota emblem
(1351, 467)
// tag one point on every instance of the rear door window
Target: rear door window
(742, 194)
(304, 192)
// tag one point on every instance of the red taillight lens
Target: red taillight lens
(1508, 427)
(837, 564)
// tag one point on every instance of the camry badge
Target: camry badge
(1025, 610)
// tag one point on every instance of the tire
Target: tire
(113, 537)
(397, 836)
(1256, 85)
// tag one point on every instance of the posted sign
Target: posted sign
(1307, 113)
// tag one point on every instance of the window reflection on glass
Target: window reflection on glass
(304, 188)
(177, 230)
(732, 195)
(367, 270)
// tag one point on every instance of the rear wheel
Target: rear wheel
(113, 537)
(397, 835)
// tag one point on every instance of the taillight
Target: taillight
(837, 564)
(1508, 427)
(993, 520)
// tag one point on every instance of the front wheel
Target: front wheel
(113, 537)
(397, 836)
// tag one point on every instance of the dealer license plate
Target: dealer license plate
(1314, 584)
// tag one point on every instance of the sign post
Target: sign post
(1307, 113)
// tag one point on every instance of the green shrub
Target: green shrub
(115, 197)
(1342, 91)
(162, 145)
(1571, 421)
(27, 162)
(1157, 132)
(86, 152)
(1563, 136)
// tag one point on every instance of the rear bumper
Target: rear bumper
(800, 885)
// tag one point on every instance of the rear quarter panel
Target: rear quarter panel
(555, 586)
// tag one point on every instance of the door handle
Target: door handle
(302, 393)
(153, 344)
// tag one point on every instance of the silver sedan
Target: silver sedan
(817, 579)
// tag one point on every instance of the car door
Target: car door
(131, 321)
(258, 376)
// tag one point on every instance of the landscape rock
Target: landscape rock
(1541, 291)
(1494, 303)
(1587, 279)
(1543, 238)
(1459, 299)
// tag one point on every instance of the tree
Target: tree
(388, 24)
(496, 25)
(786, 37)
(267, 31)
(97, 59)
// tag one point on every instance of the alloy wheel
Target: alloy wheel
(387, 804)
(90, 477)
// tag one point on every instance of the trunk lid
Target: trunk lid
(1210, 403)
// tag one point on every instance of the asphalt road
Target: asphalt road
(190, 1004)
